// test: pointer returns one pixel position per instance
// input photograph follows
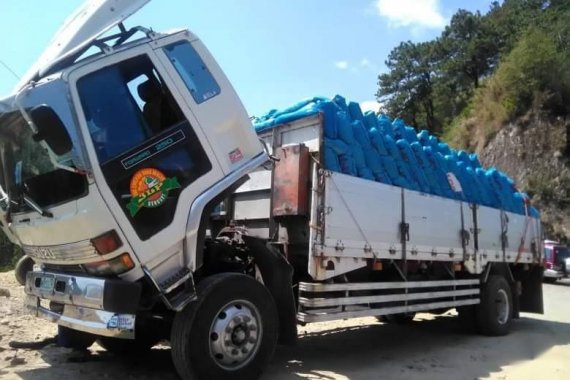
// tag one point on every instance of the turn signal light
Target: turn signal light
(107, 243)
(118, 265)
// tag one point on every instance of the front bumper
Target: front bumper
(98, 306)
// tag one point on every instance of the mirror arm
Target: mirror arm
(71, 169)
(36, 207)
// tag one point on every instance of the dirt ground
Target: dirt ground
(359, 349)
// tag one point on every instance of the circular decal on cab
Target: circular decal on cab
(149, 188)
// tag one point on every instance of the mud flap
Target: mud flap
(278, 276)
(531, 297)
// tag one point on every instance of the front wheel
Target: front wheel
(23, 266)
(495, 312)
(230, 332)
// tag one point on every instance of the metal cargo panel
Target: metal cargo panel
(362, 218)
(434, 227)
(489, 237)
(521, 235)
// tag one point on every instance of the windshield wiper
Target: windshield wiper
(34, 206)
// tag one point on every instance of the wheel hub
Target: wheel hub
(502, 302)
(235, 335)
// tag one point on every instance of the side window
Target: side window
(125, 105)
(193, 71)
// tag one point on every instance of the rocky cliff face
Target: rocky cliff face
(536, 154)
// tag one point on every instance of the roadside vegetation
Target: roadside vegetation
(483, 71)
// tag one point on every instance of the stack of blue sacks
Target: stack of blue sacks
(380, 149)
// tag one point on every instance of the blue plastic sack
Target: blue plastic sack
(475, 164)
(358, 154)
(494, 201)
(385, 124)
(463, 156)
(347, 164)
(414, 168)
(444, 149)
(377, 140)
(410, 135)
(399, 128)
(392, 171)
(329, 110)
(370, 120)
(344, 128)
(406, 175)
(355, 111)
(519, 203)
(423, 137)
(430, 174)
(439, 167)
(337, 146)
(374, 164)
(340, 102)
(391, 148)
(361, 134)
(331, 160)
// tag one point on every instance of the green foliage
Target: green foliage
(407, 89)
(533, 77)
(483, 71)
(9, 253)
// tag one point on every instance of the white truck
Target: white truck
(132, 175)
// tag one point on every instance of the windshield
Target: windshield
(26, 168)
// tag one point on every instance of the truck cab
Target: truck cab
(112, 149)
(556, 261)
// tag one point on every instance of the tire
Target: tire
(204, 339)
(128, 347)
(400, 319)
(550, 280)
(77, 340)
(495, 312)
(23, 266)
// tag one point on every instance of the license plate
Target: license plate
(47, 283)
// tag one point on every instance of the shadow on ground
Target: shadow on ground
(423, 349)
(436, 349)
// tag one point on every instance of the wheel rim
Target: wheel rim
(502, 301)
(235, 335)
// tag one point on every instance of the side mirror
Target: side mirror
(51, 129)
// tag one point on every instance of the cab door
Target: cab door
(150, 157)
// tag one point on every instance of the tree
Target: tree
(407, 88)
(470, 47)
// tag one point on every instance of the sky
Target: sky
(275, 52)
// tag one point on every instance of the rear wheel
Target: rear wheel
(230, 332)
(495, 312)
